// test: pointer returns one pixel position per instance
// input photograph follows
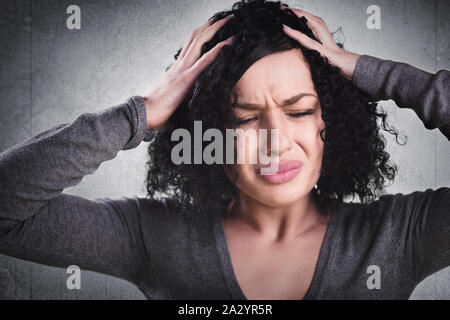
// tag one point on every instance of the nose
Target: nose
(274, 119)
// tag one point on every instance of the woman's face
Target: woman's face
(269, 84)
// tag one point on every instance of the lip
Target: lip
(287, 170)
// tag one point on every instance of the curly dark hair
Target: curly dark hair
(354, 160)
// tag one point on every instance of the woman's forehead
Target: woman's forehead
(280, 75)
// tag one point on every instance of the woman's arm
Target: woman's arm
(426, 93)
(421, 221)
(40, 224)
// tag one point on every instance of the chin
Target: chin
(276, 195)
(282, 196)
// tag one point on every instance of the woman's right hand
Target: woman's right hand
(163, 99)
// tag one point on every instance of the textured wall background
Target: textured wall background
(49, 75)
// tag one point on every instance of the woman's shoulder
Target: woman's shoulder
(148, 209)
(400, 209)
(415, 201)
(402, 199)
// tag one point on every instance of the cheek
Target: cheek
(318, 143)
(245, 181)
(307, 135)
(247, 148)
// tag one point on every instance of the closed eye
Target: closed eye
(245, 121)
(293, 115)
(301, 114)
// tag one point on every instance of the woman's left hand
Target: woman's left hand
(337, 57)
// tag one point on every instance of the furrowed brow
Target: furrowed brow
(291, 100)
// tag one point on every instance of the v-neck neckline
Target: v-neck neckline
(235, 290)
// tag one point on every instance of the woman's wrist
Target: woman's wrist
(151, 114)
(147, 111)
(347, 62)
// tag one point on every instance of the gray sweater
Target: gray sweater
(170, 255)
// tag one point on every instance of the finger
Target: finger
(208, 58)
(193, 35)
(311, 20)
(306, 41)
(194, 50)
(197, 32)
(318, 27)
(322, 33)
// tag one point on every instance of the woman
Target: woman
(225, 231)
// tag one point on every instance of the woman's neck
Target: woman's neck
(276, 224)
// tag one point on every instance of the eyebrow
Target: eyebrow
(291, 100)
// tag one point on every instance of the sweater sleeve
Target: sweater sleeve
(426, 93)
(40, 224)
(421, 225)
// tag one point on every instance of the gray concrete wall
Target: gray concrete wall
(50, 75)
